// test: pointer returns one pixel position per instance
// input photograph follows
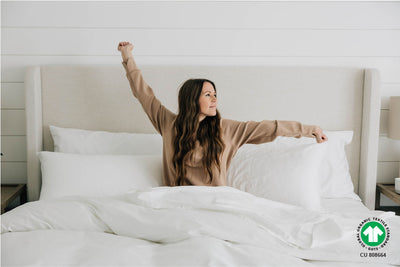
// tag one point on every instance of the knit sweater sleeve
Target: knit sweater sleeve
(157, 113)
(252, 132)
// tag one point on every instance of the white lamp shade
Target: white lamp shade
(394, 118)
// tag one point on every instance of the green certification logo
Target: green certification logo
(373, 233)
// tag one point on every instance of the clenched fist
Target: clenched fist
(126, 50)
(125, 47)
(319, 135)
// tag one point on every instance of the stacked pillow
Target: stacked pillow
(295, 171)
(281, 172)
(65, 174)
(289, 170)
(99, 163)
(68, 140)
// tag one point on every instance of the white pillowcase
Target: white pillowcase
(334, 175)
(280, 172)
(65, 174)
(337, 181)
(69, 140)
(335, 178)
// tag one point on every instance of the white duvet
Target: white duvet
(187, 225)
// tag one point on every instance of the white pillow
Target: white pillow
(69, 140)
(335, 175)
(66, 174)
(336, 179)
(280, 172)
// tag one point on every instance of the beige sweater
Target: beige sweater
(234, 133)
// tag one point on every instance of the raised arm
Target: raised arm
(253, 132)
(157, 113)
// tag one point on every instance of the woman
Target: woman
(197, 144)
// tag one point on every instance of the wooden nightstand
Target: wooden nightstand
(387, 190)
(9, 192)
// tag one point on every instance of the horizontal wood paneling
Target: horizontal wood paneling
(13, 148)
(207, 14)
(12, 96)
(199, 42)
(389, 149)
(387, 171)
(389, 90)
(13, 122)
(13, 172)
(14, 67)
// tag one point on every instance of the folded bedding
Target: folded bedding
(187, 225)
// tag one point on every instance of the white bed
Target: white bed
(207, 226)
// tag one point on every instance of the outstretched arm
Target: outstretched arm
(252, 132)
(157, 113)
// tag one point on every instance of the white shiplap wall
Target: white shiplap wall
(361, 34)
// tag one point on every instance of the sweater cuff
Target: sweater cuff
(130, 65)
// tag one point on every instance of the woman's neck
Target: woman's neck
(202, 117)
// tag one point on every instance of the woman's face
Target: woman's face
(207, 101)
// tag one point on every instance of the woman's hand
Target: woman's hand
(126, 50)
(319, 135)
(125, 47)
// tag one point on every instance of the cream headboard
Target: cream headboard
(99, 98)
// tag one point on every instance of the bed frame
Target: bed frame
(99, 98)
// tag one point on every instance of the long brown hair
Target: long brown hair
(188, 129)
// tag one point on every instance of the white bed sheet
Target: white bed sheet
(187, 226)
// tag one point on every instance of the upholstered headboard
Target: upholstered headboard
(99, 98)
